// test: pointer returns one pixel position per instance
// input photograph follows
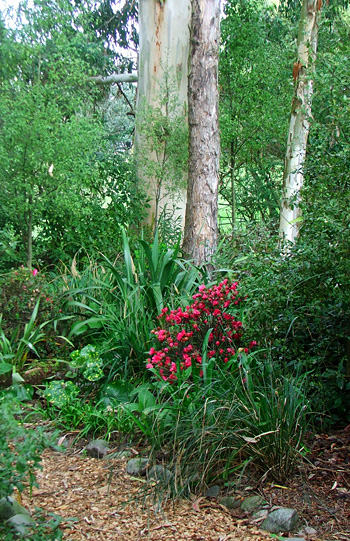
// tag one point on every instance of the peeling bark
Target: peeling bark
(201, 231)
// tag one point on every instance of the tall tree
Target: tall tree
(162, 76)
(201, 229)
(299, 125)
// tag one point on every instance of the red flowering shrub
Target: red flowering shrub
(183, 332)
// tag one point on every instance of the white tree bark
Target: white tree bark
(116, 78)
(293, 177)
(164, 45)
(201, 231)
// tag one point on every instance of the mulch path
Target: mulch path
(107, 504)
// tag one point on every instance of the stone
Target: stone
(137, 466)
(121, 454)
(9, 507)
(97, 448)
(280, 520)
(212, 492)
(310, 531)
(21, 522)
(261, 514)
(159, 473)
(252, 503)
(230, 502)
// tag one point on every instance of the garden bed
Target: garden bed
(107, 504)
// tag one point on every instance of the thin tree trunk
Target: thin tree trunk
(201, 229)
(293, 177)
(233, 189)
(30, 239)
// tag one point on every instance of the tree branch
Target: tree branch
(116, 78)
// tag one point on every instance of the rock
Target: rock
(137, 466)
(230, 502)
(261, 514)
(310, 531)
(252, 503)
(10, 507)
(159, 473)
(280, 520)
(97, 448)
(212, 492)
(21, 522)
(121, 454)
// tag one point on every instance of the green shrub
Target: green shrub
(20, 457)
(21, 292)
(119, 306)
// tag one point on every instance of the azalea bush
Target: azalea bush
(205, 331)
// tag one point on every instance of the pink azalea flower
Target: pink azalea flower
(35, 272)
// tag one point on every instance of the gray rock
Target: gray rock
(212, 492)
(252, 503)
(261, 514)
(21, 522)
(310, 531)
(137, 466)
(230, 502)
(159, 473)
(10, 507)
(280, 520)
(122, 454)
(97, 448)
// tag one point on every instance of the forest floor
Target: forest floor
(98, 500)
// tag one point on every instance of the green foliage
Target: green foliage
(14, 351)
(20, 291)
(106, 408)
(88, 362)
(255, 92)
(9, 241)
(57, 158)
(123, 301)
(20, 449)
(297, 306)
(28, 307)
(298, 301)
(20, 457)
(249, 414)
(37, 527)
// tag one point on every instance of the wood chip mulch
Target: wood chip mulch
(107, 504)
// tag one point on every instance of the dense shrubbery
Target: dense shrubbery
(297, 307)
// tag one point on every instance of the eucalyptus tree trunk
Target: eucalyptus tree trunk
(201, 230)
(300, 118)
(164, 46)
